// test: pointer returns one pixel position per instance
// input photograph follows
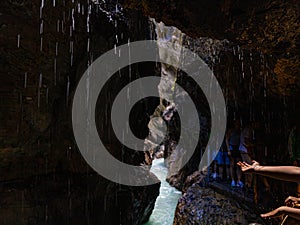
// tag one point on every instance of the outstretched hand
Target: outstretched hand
(245, 167)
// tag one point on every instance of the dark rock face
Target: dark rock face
(44, 180)
(265, 25)
(264, 38)
(269, 27)
(74, 199)
(204, 206)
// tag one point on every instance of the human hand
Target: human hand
(246, 168)
(291, 201)
(273, 214)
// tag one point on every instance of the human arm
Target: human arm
(291, 201)
(283, 210)
(286, 173)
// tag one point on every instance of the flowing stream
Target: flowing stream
(163, 213)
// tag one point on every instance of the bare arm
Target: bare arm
(286, 173)
(283, 210)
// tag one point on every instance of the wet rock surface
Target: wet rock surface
(201, 205)
(270, 27)
(43, 56)
(74, 199)
(45, 48)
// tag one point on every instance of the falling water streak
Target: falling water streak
(18, 40)
(64, 16)
(55, 71)
(67, 92)
(73, 20)
(78, 8)
(54, 3)
(243, 73)
(42, 27)
(57, 26)
(47, 97)
(62, 27)
(41, 44)
(88, 45)
(56, 49)
(82, 10)
(88, 18)
(39, 89)
(71, 31)
(46, 213)
(71, 46)
(40, 80)
(21, 100)
(41, 12)
(25, 80)
(129, 58)
(71, 51)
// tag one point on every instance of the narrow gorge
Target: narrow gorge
(248, 51)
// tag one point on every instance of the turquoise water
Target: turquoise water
(163, 213)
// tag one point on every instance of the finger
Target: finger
(288, 199)
(264, 216)
(246, 164)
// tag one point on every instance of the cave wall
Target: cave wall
(268, 27)
(43, 178)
